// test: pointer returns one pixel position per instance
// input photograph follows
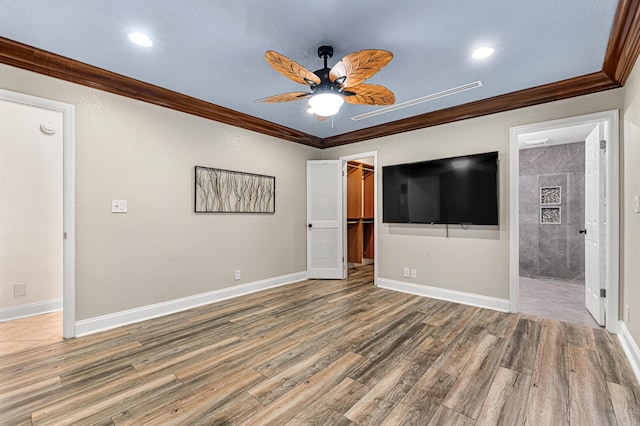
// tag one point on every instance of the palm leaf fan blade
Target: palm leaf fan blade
(291, 69)
(285, 97)
(359, 66)
(369, 94)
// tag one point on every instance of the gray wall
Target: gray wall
(160, 250)
(100, 250)
(474, 260)
(552, 250)
(629, 219)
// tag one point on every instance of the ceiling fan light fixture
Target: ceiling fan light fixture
(326, 104)
(483, 52)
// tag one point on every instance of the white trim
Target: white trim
(610, 132)
(68, 200)
(31, 309)
(630, 348)
(118, 319)
(444, 294)
(376, 222)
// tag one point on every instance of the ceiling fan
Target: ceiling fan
(330, 88)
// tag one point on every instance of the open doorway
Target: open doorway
(328, 218)
(550, 275)
(360, 213)
(360, 187)
(38, 215)
(552, 217)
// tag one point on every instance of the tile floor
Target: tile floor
(559, 300)
(25, 333)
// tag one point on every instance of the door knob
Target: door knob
(583, 231)
(310, 225)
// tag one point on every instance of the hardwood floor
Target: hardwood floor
(30, 332)
(326, 352)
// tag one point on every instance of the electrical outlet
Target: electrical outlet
(414, 274)
(238, 275)
(405, 273)
(20, 290)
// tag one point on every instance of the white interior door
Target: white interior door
(325, 250)
(594, 216)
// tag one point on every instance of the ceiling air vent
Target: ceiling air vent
(431, 97)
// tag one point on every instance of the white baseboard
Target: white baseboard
(22, 311)
(630, 348)
(444, 294)
(118, 319)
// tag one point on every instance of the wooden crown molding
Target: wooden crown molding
(622, 52)
(528, 97)
(32, 59)
(624, 42)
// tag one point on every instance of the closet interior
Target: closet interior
(360, 213)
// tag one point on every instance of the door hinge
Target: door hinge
(603, 145)
(603, 292)
(64, 235)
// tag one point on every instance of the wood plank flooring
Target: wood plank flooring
(325, 352)
(30, 332)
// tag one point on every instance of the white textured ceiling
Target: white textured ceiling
(214, 50)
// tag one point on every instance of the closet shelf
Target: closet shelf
(360, 211)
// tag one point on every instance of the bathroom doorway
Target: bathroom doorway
(552, 216)
(548, 208)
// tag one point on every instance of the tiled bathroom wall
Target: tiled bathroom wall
(550, 249)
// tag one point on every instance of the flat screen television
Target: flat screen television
(458, 190)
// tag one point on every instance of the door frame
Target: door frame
(345, 159)
(68, 200)
(610, 132)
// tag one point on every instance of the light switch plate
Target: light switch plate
(118, 206)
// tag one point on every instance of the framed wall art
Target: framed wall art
(226, 191)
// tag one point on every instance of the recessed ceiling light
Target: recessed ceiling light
(483, 52)
(140, 39)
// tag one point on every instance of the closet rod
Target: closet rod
(364, 166)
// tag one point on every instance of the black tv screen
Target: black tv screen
(458, 190)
